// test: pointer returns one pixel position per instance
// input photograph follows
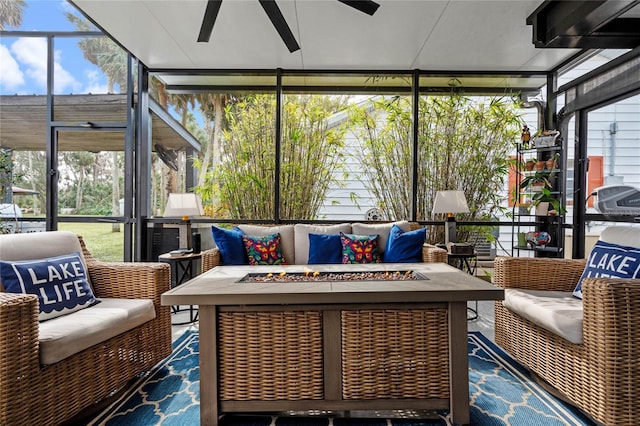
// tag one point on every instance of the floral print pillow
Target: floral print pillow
(264, 250)
(359, 248)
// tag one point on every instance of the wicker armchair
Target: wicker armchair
(33, 394)
(601, 376)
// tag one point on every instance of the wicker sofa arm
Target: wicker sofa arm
(433, 254)
(127, 280)
(130, 280)
(19, 349)
(537, 273)
(611, 341)
(612, 313)
(210, 259)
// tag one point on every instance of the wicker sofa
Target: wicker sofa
(295, 236)
(35, 394)
(600, 375)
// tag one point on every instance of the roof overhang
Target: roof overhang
(90, 123)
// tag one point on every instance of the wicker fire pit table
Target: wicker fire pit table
(367, 342)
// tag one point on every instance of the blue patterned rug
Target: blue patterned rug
(501, 393)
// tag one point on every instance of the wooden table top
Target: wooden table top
(181, 256)
(221, 286)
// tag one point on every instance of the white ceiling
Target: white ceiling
(465, 35)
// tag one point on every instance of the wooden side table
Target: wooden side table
(183, 268)
(467, 262)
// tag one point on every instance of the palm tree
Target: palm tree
(11, 13)
(213, 107)
(106, 55)
(182, 103)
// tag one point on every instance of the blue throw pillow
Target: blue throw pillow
(610, 260)
(404, 247)
(229, 242)
(324, 248)
(61, 283)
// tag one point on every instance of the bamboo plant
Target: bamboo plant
(463, 143)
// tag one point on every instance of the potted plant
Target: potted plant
(537, 182)
(530, 163)
(551, 163)
(543, 200)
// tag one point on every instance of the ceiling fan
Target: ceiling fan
(275, 15)
(168, 156)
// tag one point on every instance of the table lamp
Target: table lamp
(450, 202)
(184, 206)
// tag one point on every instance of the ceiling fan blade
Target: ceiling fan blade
(367, 6)
(210, 15)
(273, 12)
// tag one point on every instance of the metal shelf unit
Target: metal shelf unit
(524, 217)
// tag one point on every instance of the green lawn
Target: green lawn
(101, 241)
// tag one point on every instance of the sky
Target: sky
(23, 60)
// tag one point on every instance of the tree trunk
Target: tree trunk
(170, 181)
(79, 188)
(154, 190)
(36, 209)
(115, 191)
(182, 156)
(212, 153)
(169, 175)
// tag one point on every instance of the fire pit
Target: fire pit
(311, 276)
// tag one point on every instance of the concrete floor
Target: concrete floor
(181, 317)
(485, 322)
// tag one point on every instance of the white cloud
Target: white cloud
(11, 77)
(32, 53)
(24, 69)
(64, 82)
(94, 84)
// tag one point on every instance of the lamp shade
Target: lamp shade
(181, 205)
(450, 202)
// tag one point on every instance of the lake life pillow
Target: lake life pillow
(264, 250)
(610, 260)
(359, 248)
(230, 244)
(324, 248)
(404, 247)
(61, 283)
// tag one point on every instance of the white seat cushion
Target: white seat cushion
(66, 335)
(556, 311)
(621, 235)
